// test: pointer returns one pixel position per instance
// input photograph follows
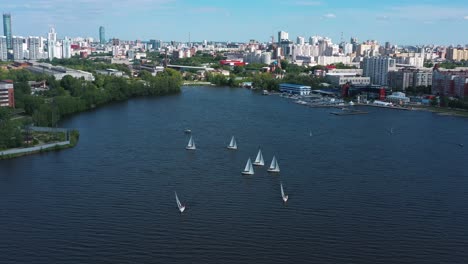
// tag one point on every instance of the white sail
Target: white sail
(248, 170)
(274, 167)
(259, 160)
(179, 205)
(285, 197)
(191, 144)
(232, 144)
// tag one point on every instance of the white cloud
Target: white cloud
(329, 15)
(465, 17)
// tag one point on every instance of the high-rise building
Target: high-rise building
(300, 41)
(282, 35)
(51, 39)
(7, 30)
(66, 48)
(34, 44)
(377, 69)
(3, 49)
(102, 35)
(52, 35)
(18, 53)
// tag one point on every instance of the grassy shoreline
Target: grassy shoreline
(74, 137)
(445, 111)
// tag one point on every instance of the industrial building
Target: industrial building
(59, 72)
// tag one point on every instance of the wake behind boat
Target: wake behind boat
(259, 160)
(248, 168)
(285, 197)
(233, 144)
(191, 144)
(179, 205)
(274, 167)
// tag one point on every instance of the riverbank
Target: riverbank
(72, 140)
(444, 111)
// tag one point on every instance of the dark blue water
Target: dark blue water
(357, 194)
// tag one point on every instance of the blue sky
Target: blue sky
(397, 21)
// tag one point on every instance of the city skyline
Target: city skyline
(421, 22)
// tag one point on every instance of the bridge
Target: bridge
(181, 67)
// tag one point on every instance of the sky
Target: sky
(401, 22)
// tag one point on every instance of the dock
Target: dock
(350, 112)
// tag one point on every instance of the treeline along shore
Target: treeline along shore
(47, 107)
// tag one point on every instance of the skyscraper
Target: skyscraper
(18, 53)
(7, 30)
(51, 39)
(66, 48)
(102, 35)
(33, 47)
(377, 69)
(3, 48)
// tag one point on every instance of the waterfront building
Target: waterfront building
(34, 48)
(18, 53)
(295, 89)
(338, 80)
(102, 35)
(7, 30)
(3, 48)
(7, 94)
(398, 98)
(409, 77)
(450, 83)
(377, 69)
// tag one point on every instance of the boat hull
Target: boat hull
(247, 173)
(190, 148)
(258, 164)
(273, 170)
(232, 148)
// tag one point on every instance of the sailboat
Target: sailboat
(248, 168)
(285, 197)
(310, 133)
(259, 160)
(179, 205)
(233, 144)
(274, 167)
(191, 144)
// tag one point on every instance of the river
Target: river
(357, 193)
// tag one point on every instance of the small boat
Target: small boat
(265, 92)
(233, 144)
(191, 144)
(274, 167)
(285, 197)
(187, 131)
(259, 160)
(461, 145)
(179, 205)
(391, 130)
(310, 133)
(248, 168)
